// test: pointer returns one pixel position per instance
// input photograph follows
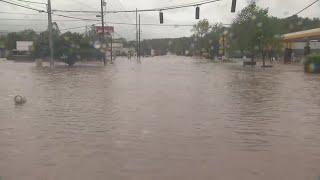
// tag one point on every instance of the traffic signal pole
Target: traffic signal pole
(139, 37)
(102, 38)
(50, 33)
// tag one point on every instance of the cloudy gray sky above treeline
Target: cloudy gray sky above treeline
(218, 12)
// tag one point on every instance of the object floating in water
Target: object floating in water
(19, 100)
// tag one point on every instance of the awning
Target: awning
(312, 34)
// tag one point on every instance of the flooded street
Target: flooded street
(168, 118)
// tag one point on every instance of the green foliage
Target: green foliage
(201, 29)
(69, 47)
(180, 46)
(312, 64)
(2, 41)
(205, 41)
(26, 35)
(206, 38)
(211, 40)
(73, 47)
(313, 59)
(254, 31)
(295, 23)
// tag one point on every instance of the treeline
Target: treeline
(73, 46)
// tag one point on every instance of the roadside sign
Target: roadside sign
(24, 45)
(107, 29)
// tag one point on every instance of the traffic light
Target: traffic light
(161, 17)
(233, 6)
(197, 12)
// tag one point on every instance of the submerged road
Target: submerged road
(169, 118)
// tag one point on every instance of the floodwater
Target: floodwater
(168, 118)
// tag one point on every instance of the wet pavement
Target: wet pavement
(168, 118)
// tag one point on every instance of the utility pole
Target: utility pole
(223, 44)
(139, 40)
(111, 47)
(87, 31)
(50, 33)
(103, 37)
(137, 43)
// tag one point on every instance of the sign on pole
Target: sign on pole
(107, 29)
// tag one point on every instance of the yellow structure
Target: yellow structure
(291, 40)
(301, 36)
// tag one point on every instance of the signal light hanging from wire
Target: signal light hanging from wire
(161, 17)
(233, 6)
(197, 12)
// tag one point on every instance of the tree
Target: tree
(212, 39)
(42, 44)
(72, 47)
(202, 28)
(180, 45)
(206, 37)
(255, 32)
(295, 23)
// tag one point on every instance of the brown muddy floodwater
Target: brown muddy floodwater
(169, 118)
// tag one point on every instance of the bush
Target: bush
(312, 64)
(313, 59)
(90, 53)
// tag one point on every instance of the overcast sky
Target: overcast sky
(214, 12)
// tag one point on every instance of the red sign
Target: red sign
(107, 29)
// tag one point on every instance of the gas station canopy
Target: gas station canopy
(312, 34)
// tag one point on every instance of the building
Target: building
(23, 51)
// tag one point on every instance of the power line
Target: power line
(86, 19)
(6, 12)
(132, 24)
(116, 23)
(159, 25)
(32, 2)
(22, 19)
(305, 8)
(60, 15)
(78, 27)
(36, 6)
(144, 10)
(23, 6)
(184, 6)
(34, 19)
(23, 25)
(149, 24)
(72, 17)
